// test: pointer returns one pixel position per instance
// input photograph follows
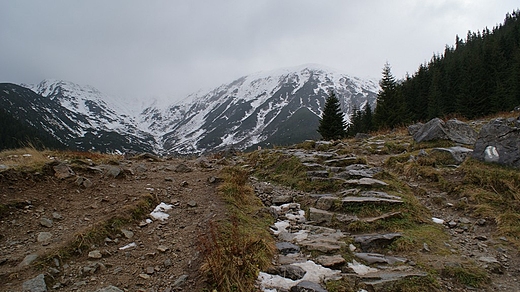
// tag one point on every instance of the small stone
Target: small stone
(95, 254)
(481, 237)
(452, 224)
(307, 286)
(192, 204)
(184, 184)
(182, 168)
(464, 221)
(28, 260)
(287, 248)
(330, 261)
(170, 179)
(150, 270)
(144, 276)
(426, 248)
(44, 236)
(288, 271)
(45, 222)
(36, 284)
(127, 233)
(57, 216)
(167, 263)
(180, 281)
(351, 247)
(109, 289)
(481, 222)
(162, 248)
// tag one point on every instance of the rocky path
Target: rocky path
(317, 239)
(46, 212)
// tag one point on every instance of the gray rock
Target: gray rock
(458, 153)
(109, 289)
(287, 248)
(44, 236)
(280, 200)
(307, 286)
(369, 241)
(29, 259)
(127, 233)
(288, 271)
(437, 129)
(36, 284)
(57, 216)
(366, 182)
(46, 222)
(414, 128)
(62, 171)
(112, 170)
(499, 142)
(372, 258)
(330, 261)
(95, 254)
(461, 132)
(3, 167)
(320, 216)
(180, 281)
(326, 203)
(369, 200)
(432, 130)
(182, 168)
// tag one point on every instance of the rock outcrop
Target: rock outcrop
(437, 129)
(499, 142)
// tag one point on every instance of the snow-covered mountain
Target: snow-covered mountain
(278, 107)
(80, 117)
(270, 108)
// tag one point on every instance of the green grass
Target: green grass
(466, 274)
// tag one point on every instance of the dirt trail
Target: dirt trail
(165, 255)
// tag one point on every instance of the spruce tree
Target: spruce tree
(332, 125)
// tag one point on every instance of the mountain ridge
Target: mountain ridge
(253, 110)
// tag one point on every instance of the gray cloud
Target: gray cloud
(172, 48)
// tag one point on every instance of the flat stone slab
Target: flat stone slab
(368, 200)
(366, 182)
(287, 248)
(330, 261)
(320, 216)
(372, 258)
(369, 241)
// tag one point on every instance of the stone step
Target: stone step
(372, 241)
(366, 182)
(346, 201)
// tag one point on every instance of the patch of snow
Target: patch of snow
(159, 213)
(361, 269)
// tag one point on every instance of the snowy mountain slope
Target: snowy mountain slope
(78, 116)
(257, 109)
(269, 108)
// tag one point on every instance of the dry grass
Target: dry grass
(234, 252)
(31, 159)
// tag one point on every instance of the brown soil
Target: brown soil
(32, 196)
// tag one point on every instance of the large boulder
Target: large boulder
(499, 141)
(437, 129)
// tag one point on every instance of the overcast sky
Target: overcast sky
(152, 48)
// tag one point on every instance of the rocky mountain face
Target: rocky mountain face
(78, 117)
(272, 108)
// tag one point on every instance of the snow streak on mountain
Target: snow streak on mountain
(272, 108)
(279, 107)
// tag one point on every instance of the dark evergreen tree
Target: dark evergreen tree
(332, 124)
(390, 110)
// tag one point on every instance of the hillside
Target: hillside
(476, 77)
(255, 110)
(383, 213)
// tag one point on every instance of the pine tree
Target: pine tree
(389, 109)
(332, 125)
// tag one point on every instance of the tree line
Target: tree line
(478, 76)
